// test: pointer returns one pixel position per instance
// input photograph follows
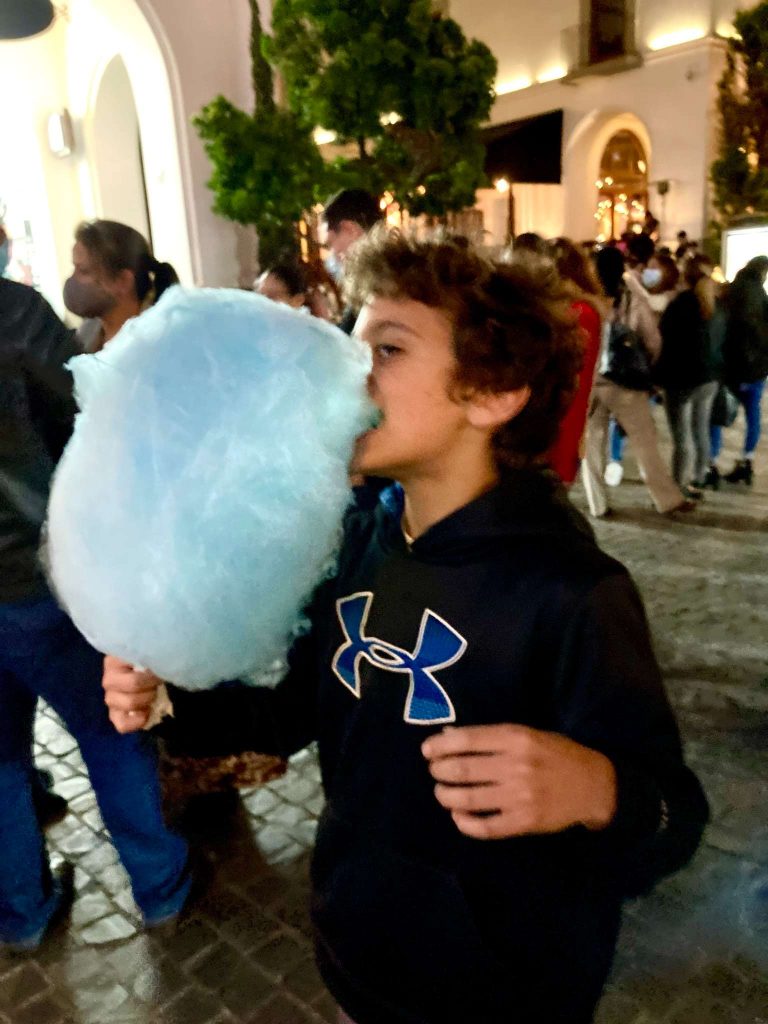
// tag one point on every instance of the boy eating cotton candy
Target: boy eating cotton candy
(500, 761)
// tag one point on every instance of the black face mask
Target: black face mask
(87, 300)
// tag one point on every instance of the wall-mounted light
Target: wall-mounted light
(514, 85)
(20, 19)
(683, 35)
(61, 137)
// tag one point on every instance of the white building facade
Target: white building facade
(132, 73)
(636, 81)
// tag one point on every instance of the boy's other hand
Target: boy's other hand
(128, 693)
(500, 781)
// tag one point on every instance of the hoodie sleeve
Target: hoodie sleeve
(610, 697)
(235, 717)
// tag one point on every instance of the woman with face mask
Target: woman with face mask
(115, 277)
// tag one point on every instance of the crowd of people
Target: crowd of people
(506, 843)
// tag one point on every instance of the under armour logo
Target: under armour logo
(437, 646)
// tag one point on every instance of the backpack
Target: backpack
(629, 364)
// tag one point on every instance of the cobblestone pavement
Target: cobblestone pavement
(694, 952)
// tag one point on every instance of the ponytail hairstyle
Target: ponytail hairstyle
(117, 247)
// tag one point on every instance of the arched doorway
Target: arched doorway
(117, 159)
(583, 154)
(622, 187)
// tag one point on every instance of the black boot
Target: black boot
(712, 479)
(741, 473)
(49, 806)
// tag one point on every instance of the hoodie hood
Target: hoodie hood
(525, 504)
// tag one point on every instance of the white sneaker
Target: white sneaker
(614, 472)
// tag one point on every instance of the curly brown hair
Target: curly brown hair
(513, 327)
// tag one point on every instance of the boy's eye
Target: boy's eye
(385, 352)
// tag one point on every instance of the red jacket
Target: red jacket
(564, 455)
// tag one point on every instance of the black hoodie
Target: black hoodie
(505, 611)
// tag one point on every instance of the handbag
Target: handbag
(725, 407)
(629, 364)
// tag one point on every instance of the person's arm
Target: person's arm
(230, 718)
(647, 325)
(614, 764)
(44, 345)
(611, 699)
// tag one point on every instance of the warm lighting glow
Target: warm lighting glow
(323, 137)
(420, 190)
(513, 85)
(501, 185)
(727, 31)
(682, 35)
(609, 181)
(642, 166)
(552, 74)
(392, 118)
(599, 183)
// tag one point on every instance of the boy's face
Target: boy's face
(423, 427)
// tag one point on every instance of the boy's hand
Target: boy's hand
(508, 780)
(128, 694)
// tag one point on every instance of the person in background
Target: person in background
(42, 655)
(650, 273)
(745, 359)
(660, 279)
(301, 286)
(347, 218)
(629, 310)
(687, 372)
(530, 242)
(682, 245)
(115, 277)
(583, 286)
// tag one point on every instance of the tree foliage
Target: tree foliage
(350, 64)
(267, 168)
(740, 173)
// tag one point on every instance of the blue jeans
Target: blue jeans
(616, 440)
(750, 396)
(43, 655)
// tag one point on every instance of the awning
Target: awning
(527, 151)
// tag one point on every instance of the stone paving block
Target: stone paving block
(193, 1006)
(22, 984)
(281, 1010)
(246, 990)
(304, 981)
(326, 1008)
(109, 929)
(192, 938)
(280, 954)
(45, 1010)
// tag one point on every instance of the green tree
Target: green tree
(267, 169)
(350, 64)
(740, 173)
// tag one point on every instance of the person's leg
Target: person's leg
(122, 769)
(703, 399)
(28, 897)
(679, 409)
(593, 465)
(617, 437)
(633, 412)
(751, 397)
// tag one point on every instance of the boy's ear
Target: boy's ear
(490, 409)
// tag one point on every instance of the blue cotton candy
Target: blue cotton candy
(199, 501)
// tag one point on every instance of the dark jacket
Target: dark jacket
(746, 334)
(506, 611)
(687, 357)
(36, 415)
